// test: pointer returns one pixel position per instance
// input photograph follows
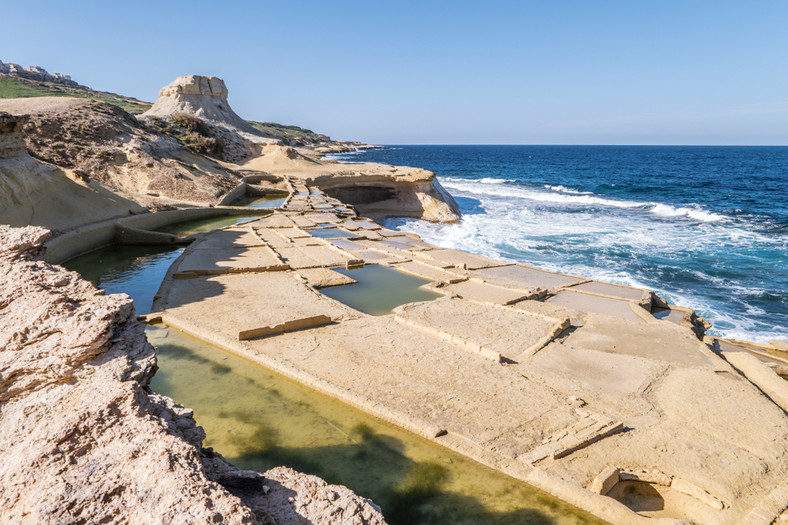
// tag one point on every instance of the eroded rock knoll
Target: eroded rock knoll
(82, 439)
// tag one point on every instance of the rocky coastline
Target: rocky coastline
(566, 383)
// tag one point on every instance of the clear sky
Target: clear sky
(428, 72)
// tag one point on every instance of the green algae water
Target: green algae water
(259, 420)
(134, 270)
(206, 225)
(274, 200)
(379, 289)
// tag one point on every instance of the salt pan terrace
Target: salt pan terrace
(572, 385)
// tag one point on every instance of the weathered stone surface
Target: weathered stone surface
(98, 142)
(203, 97)
(82, 440)
(375, 190)
(35, 73)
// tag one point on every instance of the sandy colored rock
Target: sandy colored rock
(375, 190)
(524, 277)
(108, 146)
(203, 97)
(502, 331)
(34, 193)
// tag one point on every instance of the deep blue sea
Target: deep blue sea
(705, 227)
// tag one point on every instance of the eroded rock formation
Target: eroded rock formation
(203, 97)
(82, 439)
(34, 193)
(35, 73)
(375, 190)
(107, 145)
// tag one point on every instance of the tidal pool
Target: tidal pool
(259, 420)
(379, 289)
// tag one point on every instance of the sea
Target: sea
(704, 227)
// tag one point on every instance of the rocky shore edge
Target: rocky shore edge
(85, 441)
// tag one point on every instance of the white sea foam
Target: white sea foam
(613, 240)
(564, 189)
(563, 195)
(666, 210)
(483, 180)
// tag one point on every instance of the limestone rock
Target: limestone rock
(34, 193)
(115, 150)
(203, 97)
(35, 73)
(83, 440)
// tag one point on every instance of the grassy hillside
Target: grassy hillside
(16, 87)
(289, 133)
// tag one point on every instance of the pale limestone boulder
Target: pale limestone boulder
(206, 98)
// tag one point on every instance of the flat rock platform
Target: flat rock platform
(569, 384)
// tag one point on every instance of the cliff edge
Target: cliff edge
(82, 438)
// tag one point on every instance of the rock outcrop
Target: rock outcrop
(206, 98)
(110, 147)
(375, 190)
(82, 439)
(35, 73)
(34, 193)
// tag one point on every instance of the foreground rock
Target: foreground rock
(82, 440)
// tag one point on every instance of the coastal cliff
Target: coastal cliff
(82, 438)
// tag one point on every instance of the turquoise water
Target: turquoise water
(705, 227)
(379, 289)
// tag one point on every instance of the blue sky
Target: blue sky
(571, 72)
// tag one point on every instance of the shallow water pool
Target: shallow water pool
(259, 420)
(208, 224)
(265, 201)
(379, 289)
(331, 233)
(134, 270)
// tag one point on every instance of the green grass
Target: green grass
(15, 87)
(288, 133)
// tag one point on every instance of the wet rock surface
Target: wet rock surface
(82, 439)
